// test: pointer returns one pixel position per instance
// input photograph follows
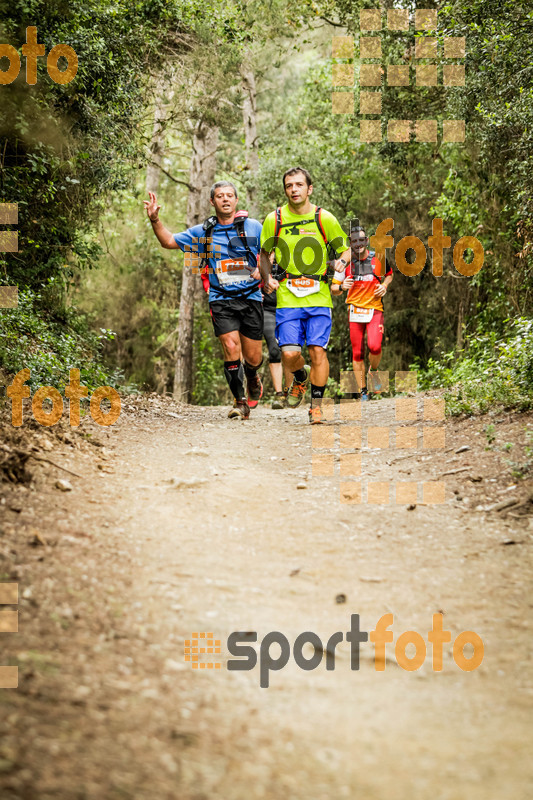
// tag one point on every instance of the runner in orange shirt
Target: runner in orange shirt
(366, 282)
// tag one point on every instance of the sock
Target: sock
(317, 392)
(250, 371)
(300, 375)
(234, 372)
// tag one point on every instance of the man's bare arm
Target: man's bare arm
(270, 284)
(346, 257)
(164, 236)
(265, 267)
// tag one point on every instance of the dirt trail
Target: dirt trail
(188, 522)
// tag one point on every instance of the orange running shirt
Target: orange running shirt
(367, 275)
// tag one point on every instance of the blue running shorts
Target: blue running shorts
(311, 326)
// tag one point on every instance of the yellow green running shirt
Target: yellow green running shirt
(291, 235)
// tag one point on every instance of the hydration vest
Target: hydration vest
(208, 227)
(318, 222)
(366, 267)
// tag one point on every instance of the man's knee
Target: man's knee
(317, 354)
(290, 352)
(252, 350)
(231, 347)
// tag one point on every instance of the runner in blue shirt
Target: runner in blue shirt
(235, 301)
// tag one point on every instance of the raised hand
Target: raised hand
(152, 209)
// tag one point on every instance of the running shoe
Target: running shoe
(280, 400)
(374, 382)
(240, 410)
(255, 390)
(315, 415)
(297, 390)
(364, 395)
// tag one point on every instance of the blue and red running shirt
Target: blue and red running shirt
(228, 260)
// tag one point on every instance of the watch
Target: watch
(343, 262)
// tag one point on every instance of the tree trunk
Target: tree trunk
(249, 110)
(201, 177)
(163, 94)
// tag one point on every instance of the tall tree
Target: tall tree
(201, 177)
(249, 113)
(163, 97)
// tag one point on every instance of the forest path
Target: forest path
(189, 522)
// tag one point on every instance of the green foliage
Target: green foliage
(522, 468)
(493, 370)
(499, 93)
(65, 148)
(49, 347)
(483, 188)
(210, 387)
(489, 433)
(71, 157)
(135, 292)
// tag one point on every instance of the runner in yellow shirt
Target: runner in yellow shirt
(300, 233)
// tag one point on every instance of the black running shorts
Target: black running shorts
(245, 316)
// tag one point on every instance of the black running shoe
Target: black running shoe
(255, 390)
(240, 410)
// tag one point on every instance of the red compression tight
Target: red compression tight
(374, 336)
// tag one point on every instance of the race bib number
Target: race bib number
(232, 270)
(302, 287)
(361, 314)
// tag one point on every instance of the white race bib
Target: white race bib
(361, 314)
(303, 287)
(232, 270)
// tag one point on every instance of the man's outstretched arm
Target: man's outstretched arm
(165, 237)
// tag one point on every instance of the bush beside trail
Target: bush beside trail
(491, 371)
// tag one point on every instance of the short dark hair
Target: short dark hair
(219, 185)
(294, 170)
(357, 230)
